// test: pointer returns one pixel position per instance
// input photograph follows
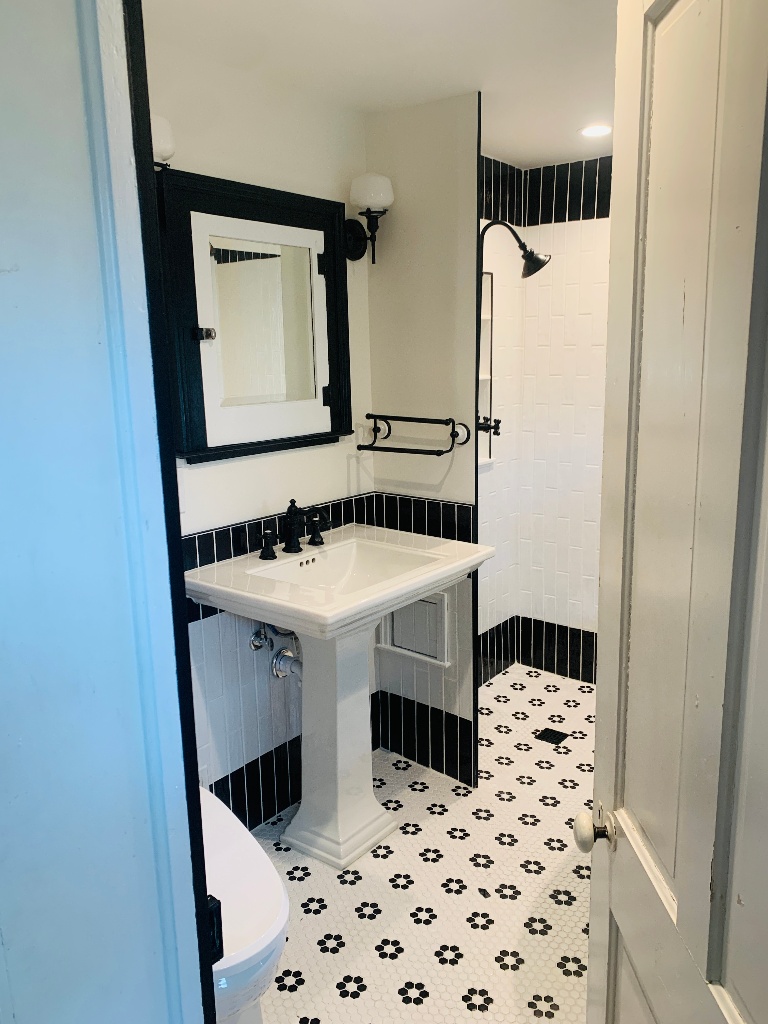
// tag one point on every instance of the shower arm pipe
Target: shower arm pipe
(508, 226)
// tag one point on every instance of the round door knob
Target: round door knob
(585, 832)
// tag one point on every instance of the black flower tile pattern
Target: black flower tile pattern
(476, 904)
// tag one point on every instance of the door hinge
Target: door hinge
(214, 924)
(322, 264)
(203, 333)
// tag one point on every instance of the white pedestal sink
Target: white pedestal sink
(333, 597)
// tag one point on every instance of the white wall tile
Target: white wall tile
(544, 488)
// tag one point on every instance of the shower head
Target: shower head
(532, 261)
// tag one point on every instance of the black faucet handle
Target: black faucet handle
(315, 536)
(267, 546)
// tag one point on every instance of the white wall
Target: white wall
(96, 905)
(235, 124)
(540, 502)
(422, 289)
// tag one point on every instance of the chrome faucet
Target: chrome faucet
(295, 520)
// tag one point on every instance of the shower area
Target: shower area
(542, 377)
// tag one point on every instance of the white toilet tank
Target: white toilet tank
(254, 912)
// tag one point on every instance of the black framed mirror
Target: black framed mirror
(256, 298)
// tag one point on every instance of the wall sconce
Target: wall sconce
(163, 143)
(372, 194)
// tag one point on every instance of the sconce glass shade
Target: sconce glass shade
(163, 143)
(371, 192)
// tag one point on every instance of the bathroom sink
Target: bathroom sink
(360, 574)
(333, 596)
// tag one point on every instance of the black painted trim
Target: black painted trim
(177, 554)
(179, 193)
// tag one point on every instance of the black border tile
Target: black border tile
(604, 175)
(547, 214)
(575, 182)
(589, 193)
(560, 212)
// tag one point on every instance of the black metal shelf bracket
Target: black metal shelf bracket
(379, 418)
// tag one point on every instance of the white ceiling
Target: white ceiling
(545, 67)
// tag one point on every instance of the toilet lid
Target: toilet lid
(254, 901)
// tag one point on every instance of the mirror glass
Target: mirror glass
(263, 300)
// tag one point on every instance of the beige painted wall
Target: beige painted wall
(422, 290)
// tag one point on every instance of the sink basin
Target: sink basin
(333, 597)
(360, 574)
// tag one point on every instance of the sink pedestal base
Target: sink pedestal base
(339, 819)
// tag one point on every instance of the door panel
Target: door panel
(631, 1005)
(690, 105)
(681, 144)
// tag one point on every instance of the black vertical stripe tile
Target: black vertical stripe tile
(390, 511)
(587, 656)
(223, 542)
(574, 190)
(437, 739)
(205, 550)
(423, 755)
(268, 792)
(360, 509)
(405, 513)
(221, 789)
(496, 209)
(589, 193)
(347, 511)
(189, 552)
(370, 513)
(448, 521)
(395, 723)
(519, 210)
(534, 196)
(464, 523)
(524, 208)
(336, 513)
(604, 173)
(294, 769)
(466, 773)
(253, 793)
(239, 540)
(451, 733)
(560, 211)
(504, 186)
(375, 720)
(419, 515)
(550, 634)
(562, 646)
(434, 519)
(409, 728)
(237, 795)
(537, 643)
(547, 194)
(384, 718)
(282, 777)
(378, 509)
(487, 188)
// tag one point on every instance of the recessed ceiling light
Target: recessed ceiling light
(596, 131)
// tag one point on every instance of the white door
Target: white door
(689, 132)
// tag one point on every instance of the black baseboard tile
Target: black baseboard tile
(430, 736)
(543, 645)
(271, 783)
